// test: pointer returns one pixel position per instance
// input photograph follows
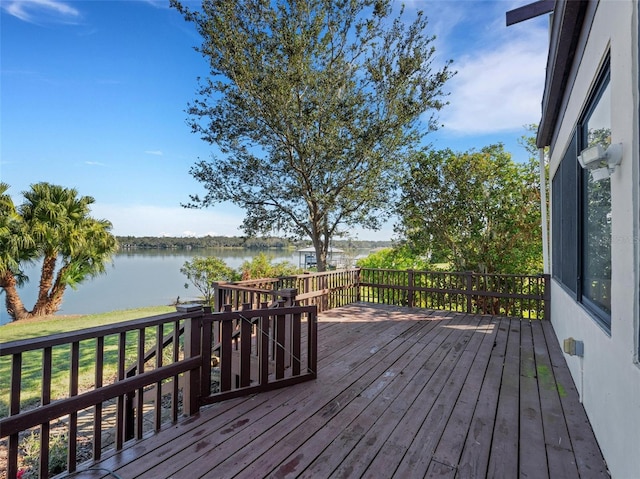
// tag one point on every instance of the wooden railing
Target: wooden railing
(326, 290)
(136, 376)
(524, 296)
(241, 293)
(256, 350)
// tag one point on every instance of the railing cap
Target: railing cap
(188, 307)
(288, 292)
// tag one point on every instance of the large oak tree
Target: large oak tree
(53, 225)
(314, 106)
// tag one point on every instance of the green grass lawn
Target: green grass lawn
(32, 361)
(33, 328)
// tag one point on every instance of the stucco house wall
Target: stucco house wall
(608, 375)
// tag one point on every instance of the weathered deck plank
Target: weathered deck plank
(451, 444)
(400, 393)
(503, 459)
(560, 457)
(532, 453)
(474, 460)
(585, 449)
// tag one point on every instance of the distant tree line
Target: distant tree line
(166, 242)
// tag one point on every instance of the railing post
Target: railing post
(469, 290)
(289, 297)
(410, 285)
(547, 297)
(216, 296)
(192, 348)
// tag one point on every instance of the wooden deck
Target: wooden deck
(400, 393)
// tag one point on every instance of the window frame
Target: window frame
(568, 192)
(603, 81)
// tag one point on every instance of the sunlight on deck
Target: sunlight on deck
(485, 328)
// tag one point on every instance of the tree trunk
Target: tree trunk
(14, 304)
(54, 301)
(321, 254)
(46, 282)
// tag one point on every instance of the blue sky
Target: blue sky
(93, 96)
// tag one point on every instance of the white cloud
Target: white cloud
(496, 91)
(499, 86)
(157, 3)
(94, 163)
(154, 152)
(33, 11)
(148, 220)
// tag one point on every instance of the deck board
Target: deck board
(400, 393)
(586, 451)
(503, 457)
(532, 452)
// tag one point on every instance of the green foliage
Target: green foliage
(400, 258)
(314, 105)
(30, 447)
(190, 243)
(202, 272)
(260, 266)
(16, 245)
(479, 210)
(54, 224)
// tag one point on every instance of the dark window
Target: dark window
(565, 219)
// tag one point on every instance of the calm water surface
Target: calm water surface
(139, 279)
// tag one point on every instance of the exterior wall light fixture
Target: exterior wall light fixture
(600, 162)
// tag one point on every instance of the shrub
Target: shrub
(394, 258)
(30, 447)
(260, 266)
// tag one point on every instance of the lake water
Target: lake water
(138, 279)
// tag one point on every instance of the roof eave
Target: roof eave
(567, 23)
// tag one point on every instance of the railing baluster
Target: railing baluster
(158, 400)
(207, 343)
(296, 347)
(14, 408)
(97, 411)
(245, 351)
(226, 333)
(140, 392)
(73, 417)
(175, 382)
(122, 410)
(263, 351)
(45, 427)
(279, 349)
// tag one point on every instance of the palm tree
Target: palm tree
(55, 225)
(16, 247)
